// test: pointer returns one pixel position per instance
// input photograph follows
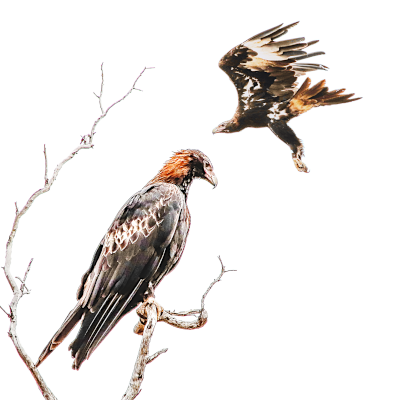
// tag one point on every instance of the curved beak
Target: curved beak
(218, 129)
(212, 178)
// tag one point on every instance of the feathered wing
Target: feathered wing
(265, 71)
(135, 252)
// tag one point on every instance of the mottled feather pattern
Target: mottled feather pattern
(141, 216)
(265, 72)
(118, 238)
(142, 245)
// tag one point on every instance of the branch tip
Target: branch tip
(16, 208)
(151, 358)
(8, 315)
(46, 180)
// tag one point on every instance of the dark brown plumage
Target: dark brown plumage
(265, 72)
(143, 244)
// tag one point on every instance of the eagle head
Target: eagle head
(202, 167)
(184, 166)
(233, 125)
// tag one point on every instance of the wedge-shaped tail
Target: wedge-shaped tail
(318, 95)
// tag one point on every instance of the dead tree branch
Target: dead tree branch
(18, 292)
(149, 310)
(201, 320)
(140, 365)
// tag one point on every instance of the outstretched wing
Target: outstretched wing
(131, 255)
(265, 70)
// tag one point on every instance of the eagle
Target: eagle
(265, 73)
(143, 244)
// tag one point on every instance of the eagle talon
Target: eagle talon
(142, 313)
(299, 164)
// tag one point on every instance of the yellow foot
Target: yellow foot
(142, 313)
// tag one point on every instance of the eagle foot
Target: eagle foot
(142, 313)
(299, 164)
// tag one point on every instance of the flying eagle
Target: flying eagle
(143, 244)
(265, 72)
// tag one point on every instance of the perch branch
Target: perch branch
(141, 361)
(149, 312)
(170, 317)
(18, 292)
(201, 320)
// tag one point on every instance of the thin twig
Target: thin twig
(8, 315)
(155, 355)
(16, 208)
(23, 285)
(223, 271)
(104, 113)
(101, 89)
(46, 180)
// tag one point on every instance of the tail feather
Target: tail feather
(72, 319)
(92, 334)
(318, 95)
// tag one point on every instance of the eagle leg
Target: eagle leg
(142, 313)
(287, 135)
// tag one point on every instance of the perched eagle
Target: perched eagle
(142, 245)
(265, 73)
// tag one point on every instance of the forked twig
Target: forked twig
(149, 310)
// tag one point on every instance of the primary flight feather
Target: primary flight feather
(143, 244)
(265, 72)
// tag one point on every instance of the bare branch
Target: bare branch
(148, 311)
(155, 355)
(223, 271)
(199, 322)
(141, 361)
(45, 166)
(23, 285)
(185, 313)
(170, 317)
(16, 208)
(8, 315)
(101, 89)
(104, 113)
